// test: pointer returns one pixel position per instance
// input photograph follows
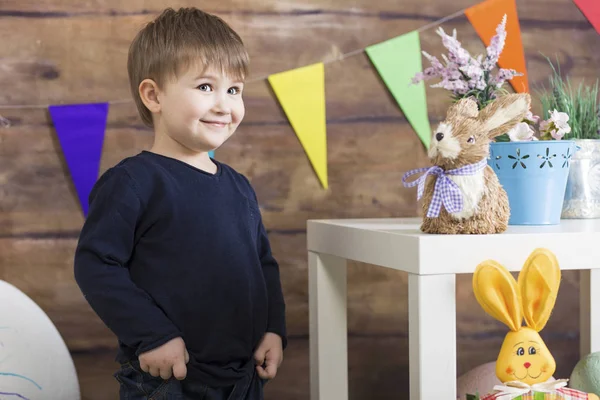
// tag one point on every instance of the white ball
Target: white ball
(34, 360)
(481, 379)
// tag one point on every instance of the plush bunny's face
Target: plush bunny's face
(524, 357)
(465, 134)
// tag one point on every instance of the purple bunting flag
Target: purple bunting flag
(80, 129)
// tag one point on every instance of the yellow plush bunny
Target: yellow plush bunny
(524, 362)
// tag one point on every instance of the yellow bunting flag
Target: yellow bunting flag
(485, 17)
(301, 93)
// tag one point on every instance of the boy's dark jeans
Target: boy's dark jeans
(139, 385)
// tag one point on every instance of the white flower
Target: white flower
(522, 132)
(557, 125)
(532, 118)
(560, 120)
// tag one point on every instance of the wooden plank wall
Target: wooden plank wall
(64, 51)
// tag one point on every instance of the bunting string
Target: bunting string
(591, 10)
(261, 78)
(301, 92)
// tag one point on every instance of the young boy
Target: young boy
(173, 256)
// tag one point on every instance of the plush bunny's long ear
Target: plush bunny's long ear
(504, 113)
(498, 294)
(539, 281)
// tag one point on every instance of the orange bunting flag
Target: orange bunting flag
(485, 17)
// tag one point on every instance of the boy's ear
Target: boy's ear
(148, 90)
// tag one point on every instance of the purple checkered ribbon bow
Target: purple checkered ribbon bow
(445, 191)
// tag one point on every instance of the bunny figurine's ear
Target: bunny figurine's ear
(466, 107)
(504, 113)
(539, 281)
(498, 294)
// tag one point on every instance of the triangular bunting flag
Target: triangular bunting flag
(591, 10)
(397, 61)
(301, 93)
(485, 17)
(80, 129)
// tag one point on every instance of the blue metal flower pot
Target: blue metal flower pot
(534, 175)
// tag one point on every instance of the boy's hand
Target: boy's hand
(166, 360)
(269, 353)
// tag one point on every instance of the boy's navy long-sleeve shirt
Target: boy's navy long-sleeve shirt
(169, 250)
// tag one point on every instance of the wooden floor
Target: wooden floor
(377, 368)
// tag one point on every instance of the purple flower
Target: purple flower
(496, 46)
(437, 69)
(456, 53)
(475, 76)
(464, 75)
(419, 76)
(456, 86)
(435, 63)
(502, 76)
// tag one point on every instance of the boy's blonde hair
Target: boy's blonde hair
(174, 41)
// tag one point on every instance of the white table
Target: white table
(432, 262)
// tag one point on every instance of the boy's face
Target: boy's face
(201, 110)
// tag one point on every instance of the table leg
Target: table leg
(328, 327)
(589, 311)
(432, 336)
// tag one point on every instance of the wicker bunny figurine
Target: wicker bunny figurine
(524, 362)
(461, 193)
